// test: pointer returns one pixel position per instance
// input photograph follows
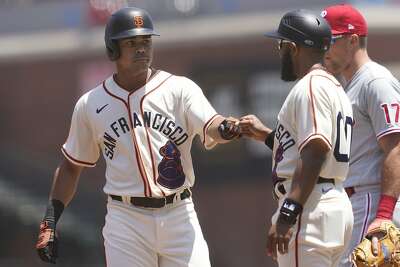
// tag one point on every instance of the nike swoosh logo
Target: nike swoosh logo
(98, 110)
(324, 191)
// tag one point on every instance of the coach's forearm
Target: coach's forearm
(390, 177)
(307, 172)
(391, 173)
(65, 181)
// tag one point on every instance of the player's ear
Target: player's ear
(294, 49)
(354, 40)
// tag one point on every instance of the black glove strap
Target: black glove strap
(269, 141)
(289, 211)
(54, 210)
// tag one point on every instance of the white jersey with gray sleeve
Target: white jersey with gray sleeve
(375, 97)
(317, 107)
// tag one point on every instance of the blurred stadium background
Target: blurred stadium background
(51, 51)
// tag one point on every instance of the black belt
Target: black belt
(321, 180)
(152, 202)
(350, 191)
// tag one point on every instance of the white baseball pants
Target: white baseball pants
(164, 237)
(323, 230)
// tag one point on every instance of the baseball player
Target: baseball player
(143, 122)
(373, 182)
(311, 145)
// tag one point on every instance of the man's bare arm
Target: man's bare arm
(65, 181)
(64, 186)
(252, 127)
(390, 145)
(308, 169)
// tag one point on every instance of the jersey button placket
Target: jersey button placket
(142, 169)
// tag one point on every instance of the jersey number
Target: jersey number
(395, 107)
(344, 129)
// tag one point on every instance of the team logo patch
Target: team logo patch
(308, 42)
(138, 21)
(170, 171)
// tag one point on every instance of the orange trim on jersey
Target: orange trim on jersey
(323, 69)
(78, 162)
(297, 241)
(137, 153)
(312, 105)
(313, 136)
(151, 78)
(316, 68)
(136, 145)
(147, 133)
(206, 126)
(320, 75)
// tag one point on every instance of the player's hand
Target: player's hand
(279, 236)
(233, 120)
(252, 127)
(229, 128)
(376, 224)
(46, 245)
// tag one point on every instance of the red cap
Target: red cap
(345, 19)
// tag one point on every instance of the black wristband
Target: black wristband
(54, 210)
(269, 141)
(289, 211)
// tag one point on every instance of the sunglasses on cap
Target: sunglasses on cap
(336, 37)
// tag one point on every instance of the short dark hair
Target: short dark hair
(363, 42)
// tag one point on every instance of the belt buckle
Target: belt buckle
(174, 198)
(126, 199)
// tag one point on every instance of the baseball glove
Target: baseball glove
(229, 129)
(46, 245)
(388, 248)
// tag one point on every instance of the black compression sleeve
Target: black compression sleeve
(54, 210)
(269, 141)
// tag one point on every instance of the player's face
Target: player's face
(136, 52)
(339, 56)
(286, 50)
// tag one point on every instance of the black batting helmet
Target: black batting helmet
(124, 23)
(305, 28)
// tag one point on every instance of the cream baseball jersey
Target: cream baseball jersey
(316, 107)
(145, 136)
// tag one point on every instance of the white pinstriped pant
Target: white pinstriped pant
(165, 237)
(365, 204)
